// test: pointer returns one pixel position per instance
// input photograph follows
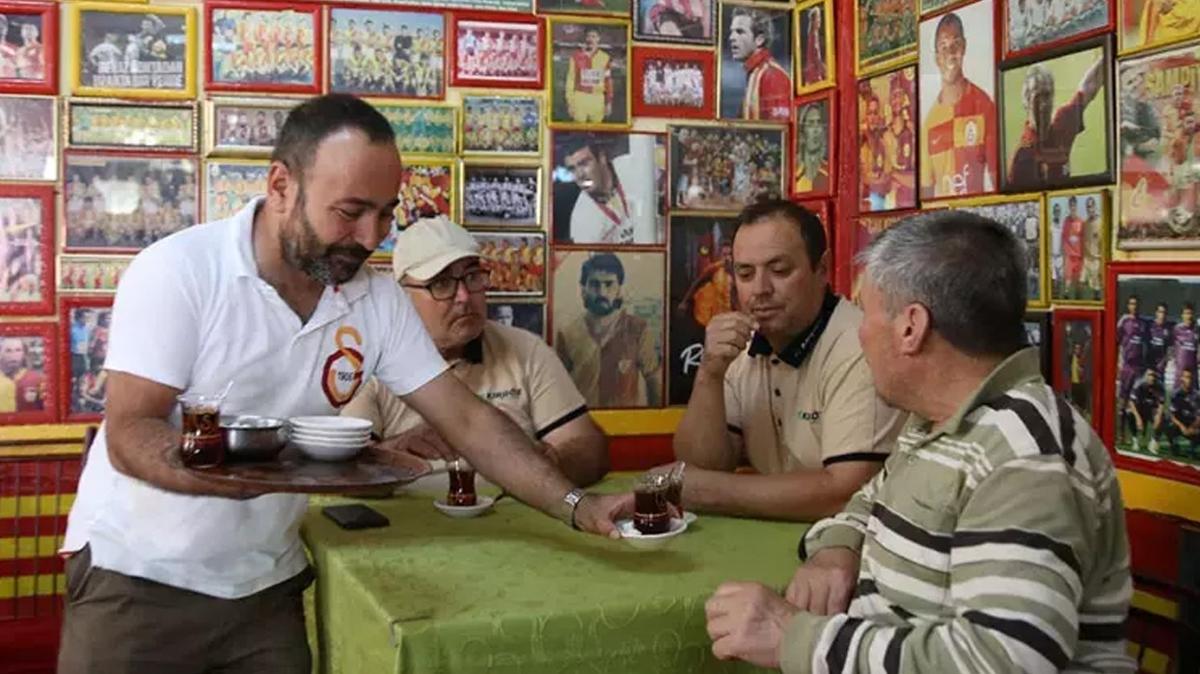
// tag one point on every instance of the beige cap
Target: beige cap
(428, 246)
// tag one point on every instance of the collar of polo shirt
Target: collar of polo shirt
(802, 344)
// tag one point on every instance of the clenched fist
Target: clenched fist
(726, 336)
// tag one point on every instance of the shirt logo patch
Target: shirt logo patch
(502, 395)
(343, 371)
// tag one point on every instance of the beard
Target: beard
(600, 306)
(328, 265)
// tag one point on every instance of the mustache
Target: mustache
(352, 250)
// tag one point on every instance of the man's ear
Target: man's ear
(279, 180)
(915, 326)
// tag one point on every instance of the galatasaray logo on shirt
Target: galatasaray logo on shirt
(343, 371)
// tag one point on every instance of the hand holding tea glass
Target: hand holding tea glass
(203, 445)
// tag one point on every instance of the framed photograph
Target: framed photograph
(501, 195)
(701, 285)
(814, 146)
(724, 168)
(260, 46)
(815, 63)
(1039, 333)
(26, 249)
(502, 125)
(244, 128)
(132, 51)
(525, 315)
(589, 73)
(1077, 361)
(673, 83)
(91, 274)
(823, 209)
(1149, 24)
(29, 142)
(497, 51)
(386, 52)
(1158, 122)
(756, 63)
(117, 125)
(1062, 135)
(1078, 226)
(83, 352)
(958, 153)
(887, 160)
(516, 262)
(931, 6)
(28, 378)
(1023, 215)
(863, 232)
(609, 188)
(426, 129)
(672, 21)
(1029, 27)
(1150, 376)
(229, 184)
(121, 203)
(29, 47)
(618, 296)
(886, 35)
(597, 7)
(427, 190)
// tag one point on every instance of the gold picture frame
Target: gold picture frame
(103, 51)
(472, 217)
(566, 120)
(1096, 272)
(223, 200)
(91, 274)
(136, 134)
(413, 138)
(978, 204)
(465, 143)
(217, 136)
(829, 45)
(901, 55)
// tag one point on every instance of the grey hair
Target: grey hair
(967, 270)
(1038, 81)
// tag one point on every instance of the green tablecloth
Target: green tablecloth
(516, 591)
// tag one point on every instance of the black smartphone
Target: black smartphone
(355, 516)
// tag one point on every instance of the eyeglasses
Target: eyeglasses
(444, 287)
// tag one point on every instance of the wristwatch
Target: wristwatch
(572, 500)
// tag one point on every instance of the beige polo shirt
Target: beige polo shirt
(794, 412)
(511, 369)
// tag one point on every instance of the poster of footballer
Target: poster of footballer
(28, 375)
(887, 138)
(123, 52)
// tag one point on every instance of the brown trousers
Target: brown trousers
(115, 623)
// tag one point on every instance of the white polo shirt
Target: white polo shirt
(192, 313)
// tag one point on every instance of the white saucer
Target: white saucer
(637, 539)
(482, 505)
(689, 517)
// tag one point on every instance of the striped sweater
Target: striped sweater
(992, 543)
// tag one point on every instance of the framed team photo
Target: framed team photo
(1057, 128)
(82, 353)
(1028, 27)
(230, 184)
(1078, 361)
(29, 48)
(673, 83)
(501, 195)
(242, 127)
(259, 46)
(701, 286)
(122, 125)
(27, 249)
(516, 262)
(1039, 333)
(596, 7)
(30, 138)
(385, 52)
(528, 316)
(1148, 24)
(90, 274)
(722, 169)
(425, 129)
(1152, 405)
(1157, 123)
(606, 315)
(958, 153)
(28, 374)
(1023, 215)
(1077, 222)
(816, 67)
(589, 73)
(427, 190)
(609, 188)
(887, 156)
(132, 51)
(886, 35)
(814, 146)
(122, 202)
(755, 75)
(497, 51)
(689, 22)
(502, 124)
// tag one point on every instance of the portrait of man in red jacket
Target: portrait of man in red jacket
(760, 41)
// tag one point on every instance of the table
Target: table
(514, 591)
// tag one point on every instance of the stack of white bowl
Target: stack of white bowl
(329, 438)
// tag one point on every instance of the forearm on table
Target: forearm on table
(702, 438)
(583, 460)
(148, 449)
(802, 495)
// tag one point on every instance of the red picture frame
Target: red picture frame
(47, 282)
(66, 365)
(48, 12)
(707, 60)
(385, 9)
(48, 385)
(318, 65)
(1002, 28)
(831, 126)
(823, 209)
(1061, 342)
(494, 18)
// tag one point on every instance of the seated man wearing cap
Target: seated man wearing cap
(438, 264)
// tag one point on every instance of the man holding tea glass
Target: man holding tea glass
(168, 573)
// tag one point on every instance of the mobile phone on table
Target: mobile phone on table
(355, 516)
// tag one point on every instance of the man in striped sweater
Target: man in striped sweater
(994, 538)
